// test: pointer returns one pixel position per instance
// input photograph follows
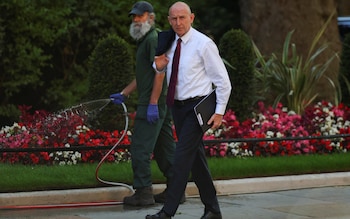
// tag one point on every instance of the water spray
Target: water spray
(91, 108)
(83, 110)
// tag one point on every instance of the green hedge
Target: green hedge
(111, 70)
(236, 48)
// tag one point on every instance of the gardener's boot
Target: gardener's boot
(141, 197)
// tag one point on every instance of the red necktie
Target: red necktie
(173, 77)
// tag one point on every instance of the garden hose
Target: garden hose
(105, 102)
(111, 150)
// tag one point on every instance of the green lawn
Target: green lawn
(32, 178)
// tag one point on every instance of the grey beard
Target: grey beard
(137, 32)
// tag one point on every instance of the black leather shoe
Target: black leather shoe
(159, 215)
(211, 215)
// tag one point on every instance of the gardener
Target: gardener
(152, 127)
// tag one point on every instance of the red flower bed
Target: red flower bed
(258, 136)
(322, 119)
(42, 130)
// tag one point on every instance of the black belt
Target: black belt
(189, 100)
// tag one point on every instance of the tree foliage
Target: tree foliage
(216, 17)
(45, 46)
(27, 34)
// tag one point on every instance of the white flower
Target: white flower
(291, 113)
(77, 154)
(279, 134)
(218, 132)
(347, 123)
(269, 134)
(234, 152)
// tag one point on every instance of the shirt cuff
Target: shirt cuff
(220, 109)
(158, 71)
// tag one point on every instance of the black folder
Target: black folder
(205, 109)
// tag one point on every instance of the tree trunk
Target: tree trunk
(343, 7)
(269, 21)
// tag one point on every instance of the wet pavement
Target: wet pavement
(324, 202)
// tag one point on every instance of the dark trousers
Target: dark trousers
(151, 138)
(189, 158)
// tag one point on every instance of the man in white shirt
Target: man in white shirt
(200, 67)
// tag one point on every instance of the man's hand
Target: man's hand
(215, 121)
(117, 98)
(152, 113)
(161, 62)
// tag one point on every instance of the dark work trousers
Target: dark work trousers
(151, 138)
(189, 158)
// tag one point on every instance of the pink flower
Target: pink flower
(42, 129)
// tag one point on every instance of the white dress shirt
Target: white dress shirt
(200, 66)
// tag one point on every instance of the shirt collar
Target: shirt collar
(185, 38)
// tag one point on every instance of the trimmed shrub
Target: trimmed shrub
(236, 48)
(111, 70)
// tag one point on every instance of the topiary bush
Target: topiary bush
(236, 48)
(111, 69)
(345, 70)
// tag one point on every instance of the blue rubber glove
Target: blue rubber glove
(152, 113)
(117, 98)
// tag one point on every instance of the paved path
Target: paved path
(327, 198)
(326, 202)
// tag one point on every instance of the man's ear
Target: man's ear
(192, 17)
(152, 17)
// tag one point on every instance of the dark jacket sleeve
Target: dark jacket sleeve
(165, 39)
